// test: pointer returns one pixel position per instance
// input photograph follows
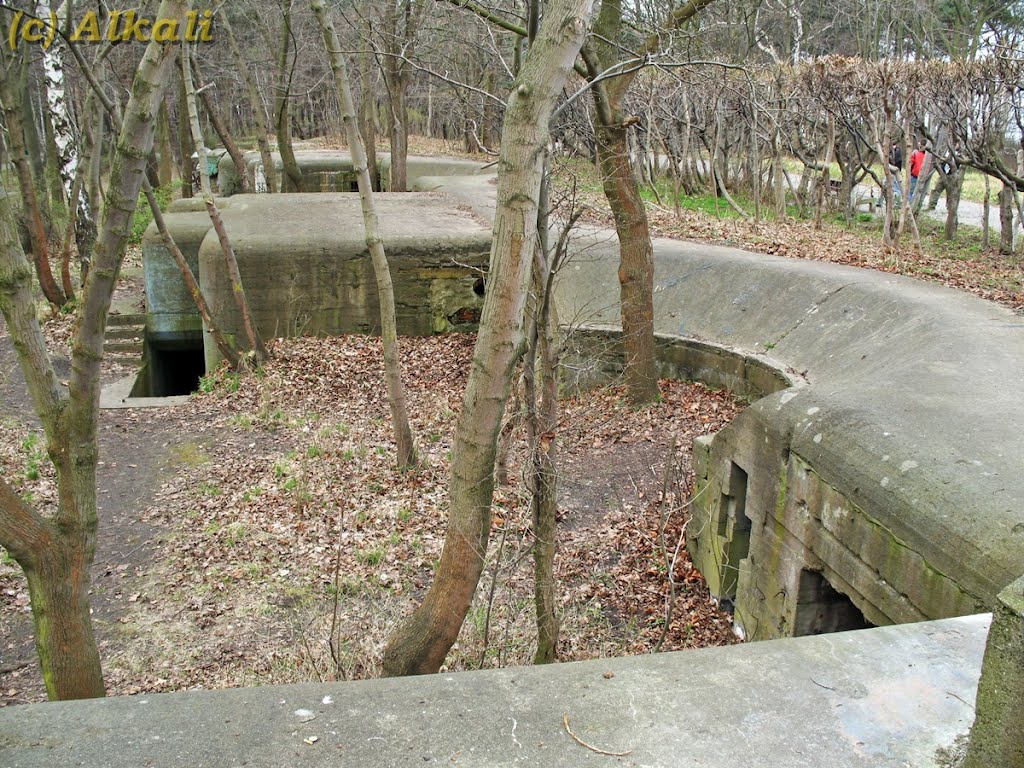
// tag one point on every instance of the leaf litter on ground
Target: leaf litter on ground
(291, 545)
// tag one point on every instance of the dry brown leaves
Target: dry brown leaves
(293, 545)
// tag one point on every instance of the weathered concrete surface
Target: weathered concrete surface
(322, 171)
(171, 310)
(306, 268)
(895, 473)
(593, 356)
(418, 168)
(883, 697)
(997, 738)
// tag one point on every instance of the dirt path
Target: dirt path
(136, 455)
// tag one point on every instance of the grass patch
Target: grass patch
(143, 215)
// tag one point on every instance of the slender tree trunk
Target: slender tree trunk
(230, 263)
(398, 130)
(404, 441)
(92, 150)
(291, 176)
(63, 130)
(541, 385)
(954, 186)
(223, 133)
(13, 114)
(185, 144)
(56, 552)
(825, 180)
(396, 83)
(163, 133)
(422, 641)
(226, 350)
(368, 116)
(259, 111)
(636, 265)
(636, 262)
(34, 134)
(986, 205)
(1006, 219)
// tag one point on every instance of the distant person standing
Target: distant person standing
(917, 158)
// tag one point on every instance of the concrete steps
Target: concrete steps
(125, 338)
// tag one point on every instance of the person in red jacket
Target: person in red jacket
(917, 158)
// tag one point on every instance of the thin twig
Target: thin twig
(582, 743)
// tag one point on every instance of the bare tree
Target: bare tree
(13, 84)
(230, 263)
(56, 552)
(419, 645)
(404, 441)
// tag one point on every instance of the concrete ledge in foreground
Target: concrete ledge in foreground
(879, 697)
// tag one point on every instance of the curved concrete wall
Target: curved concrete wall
(893, 475)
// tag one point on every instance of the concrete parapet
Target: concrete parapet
(873, 699)
(171, 308)
(997, 738)
(306, 268)
(331, 170)
(593, 356)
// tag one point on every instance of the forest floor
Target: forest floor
(260, 533)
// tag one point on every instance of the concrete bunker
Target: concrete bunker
(332, 171)
(306, 271)
(861, 487)
(170, 367)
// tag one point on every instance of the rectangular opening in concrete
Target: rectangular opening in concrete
(733, 506)
(822, 609)
(172, 367)
(733, 530)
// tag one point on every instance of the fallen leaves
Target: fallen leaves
(291, 545)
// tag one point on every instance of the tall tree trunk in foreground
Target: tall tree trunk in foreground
(422, 641)
(404, 442)
(541, 385)
(56, 552)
